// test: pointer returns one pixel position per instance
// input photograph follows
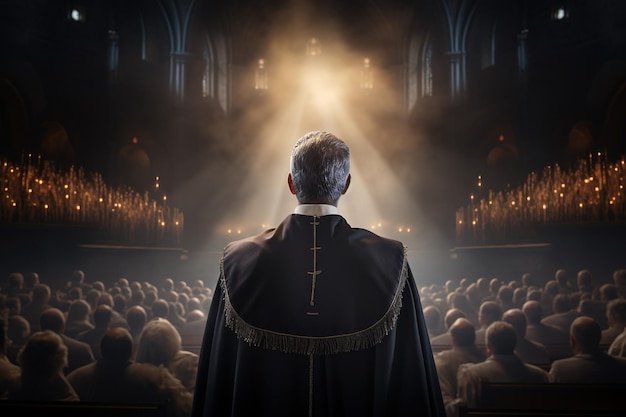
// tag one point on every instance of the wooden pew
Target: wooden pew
(548, 400)
(81, 409)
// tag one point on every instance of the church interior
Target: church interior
(184, 112)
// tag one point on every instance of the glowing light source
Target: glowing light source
(367, 77)
(260, 77)
(313, 47)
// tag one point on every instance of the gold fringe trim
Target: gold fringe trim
(308, 345)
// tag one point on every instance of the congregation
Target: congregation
(130, 342)
(526, 331)
(124, 344)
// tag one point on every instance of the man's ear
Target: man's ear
(347, 184)
(290, 182)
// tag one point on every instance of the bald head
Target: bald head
(451, 316)
(533, 311)
(52, 319)
(462, 333)
(585, 335)
(517, 319)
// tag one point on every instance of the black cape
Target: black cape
(315, 318)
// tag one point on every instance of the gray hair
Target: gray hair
(320, 165)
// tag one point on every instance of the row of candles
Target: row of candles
(590, 192)
(36, 193)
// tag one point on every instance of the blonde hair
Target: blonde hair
(159, 343)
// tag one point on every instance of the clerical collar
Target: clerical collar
(316, 209)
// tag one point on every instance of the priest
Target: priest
(315, 317)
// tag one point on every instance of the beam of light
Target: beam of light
(247, 193)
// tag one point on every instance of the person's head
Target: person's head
(616, 312)
(561, 304)
(319, 169)
(451, 316)
(41, 294)
(78, 310)
(18, 329)
(160, 308)
(494, 285)
(583, 280)
(619, 277)
(168, 284)
(489, 312)
(517, 319)
(102, 316)
(31, 279)
(4, 339)
(136, 317)
(505, 295)
(460, 301)
(608, 292)
(78, 277)
(527, 279)
(462, 333)
(551, 289)
(52, 319)
(116, 345)
(432, 317)
(43, 354)
(159, 342)
(585, 335)
(560, 276)
(16, 280)
(500, 338)
(533, 312)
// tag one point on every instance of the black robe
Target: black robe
(315, 318)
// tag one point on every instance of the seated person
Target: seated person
(538, 331)
(528, 350)
(463, 350)
(161, 344)
(589, 363)
(616, 320)
(502, 365)
(116, 378)
(42, 360)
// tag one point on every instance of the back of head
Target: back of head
(16, 280)
(52, 319)
(319, 168)
(78, 310)
(583, 279)
(117, 345)
(517, 319)
(505, 294)
(43, 354)
(560, 276)
(533, 311)
(432, 316)
(160, 308)
(452, 315)
(616, 310)
(494, 285)
(159, 342)
(489, 312)
(609, 292)
(501, 338)
(528, 279)
(586, 333)
(41, 294)
(551, 289)
(136, 317)
(619, 277)
(561, 304)
(102, 315)
(463, 333)
(78, 277)
(18, 328)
